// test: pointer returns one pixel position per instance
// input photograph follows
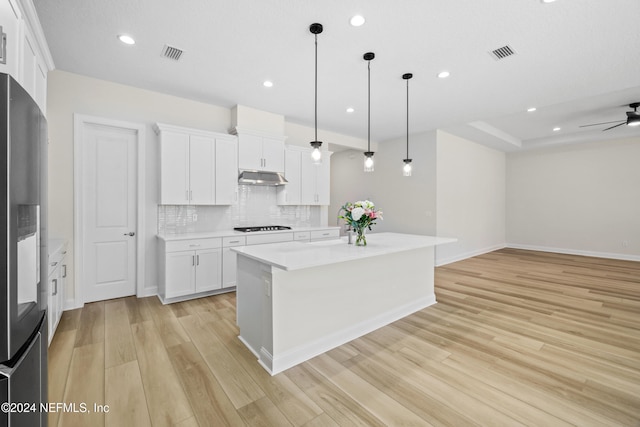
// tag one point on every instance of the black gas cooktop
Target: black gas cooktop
(262, 228)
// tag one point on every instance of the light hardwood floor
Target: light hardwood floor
(517, 338)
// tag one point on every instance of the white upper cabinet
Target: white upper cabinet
(196, 167)
(314, 180)
(226, 171)
(25, 55)
(202, 164)
(260, 152)
(289, 194)
(10, 20)
(308, 183)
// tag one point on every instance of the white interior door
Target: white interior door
(109, 182)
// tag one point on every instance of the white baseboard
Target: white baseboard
(305, 352)
(465, 255)
(610, 255)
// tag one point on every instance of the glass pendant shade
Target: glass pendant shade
(368, 161)
(406, 170)
(316, 156)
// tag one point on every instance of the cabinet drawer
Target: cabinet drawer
(325, 234)
(193, 245)
(269, 238)
(228, 242)
(301, 235)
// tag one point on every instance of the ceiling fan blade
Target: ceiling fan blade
(598, 124)
(623, 123)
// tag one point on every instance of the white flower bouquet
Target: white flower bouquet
(360, 215)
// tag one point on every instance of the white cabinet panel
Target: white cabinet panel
(174, 168)
(229, 266)
(208, 270)
(180, 274)
(290, 194)
(314, 181)
(226, 171)
(10, 22)
(273, 154)
(57, 281)
(250, 152)
(202, 170)
(259, 152)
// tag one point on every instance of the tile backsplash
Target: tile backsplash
(256, 206)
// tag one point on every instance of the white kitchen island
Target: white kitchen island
(296, 300)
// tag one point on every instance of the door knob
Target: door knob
(132, 233)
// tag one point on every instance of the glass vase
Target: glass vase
(361, 239)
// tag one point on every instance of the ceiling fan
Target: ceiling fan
(633, 118)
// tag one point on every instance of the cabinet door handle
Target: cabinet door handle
(55, 286)
(190, 194)
(197, 259)
(193, 260)
(64, 275)
(186, 194)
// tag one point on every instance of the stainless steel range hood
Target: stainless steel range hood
(261, 178)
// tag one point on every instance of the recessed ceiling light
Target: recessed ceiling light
(556, 129)
(350, 110)
(531, 110)
(444, 74)
(267, 83)
(126, 39)
(547, 1)
(357, 20)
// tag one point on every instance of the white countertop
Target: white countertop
(231, 233)
(299, 255)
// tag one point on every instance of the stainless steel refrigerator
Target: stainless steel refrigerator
(23, 258)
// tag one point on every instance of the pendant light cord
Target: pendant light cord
(369, 106)
(316, 91)
(407, 118)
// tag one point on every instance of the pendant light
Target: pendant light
(368, 155)
(316, 154)
(406, 170)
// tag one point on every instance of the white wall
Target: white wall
(582, 198)
(408, 203)
(470, 203)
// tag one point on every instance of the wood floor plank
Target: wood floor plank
(118, 341)
(236, 382)
(85, 387)
(263, 412)
(91, 324)
(124, 393)
(209, 401)
(166, 400)
(60, 354)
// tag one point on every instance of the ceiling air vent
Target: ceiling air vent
(502, 52)
(171, 52)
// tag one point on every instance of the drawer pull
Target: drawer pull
(53, 264)
(194, 246)
(325, 234)
(234, 241)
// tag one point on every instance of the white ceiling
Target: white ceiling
(578, 62)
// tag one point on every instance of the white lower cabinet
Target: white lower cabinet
(195, 268)
(230, 259)
(57, 278)
(190, 268)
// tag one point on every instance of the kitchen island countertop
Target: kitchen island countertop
(298, 255)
